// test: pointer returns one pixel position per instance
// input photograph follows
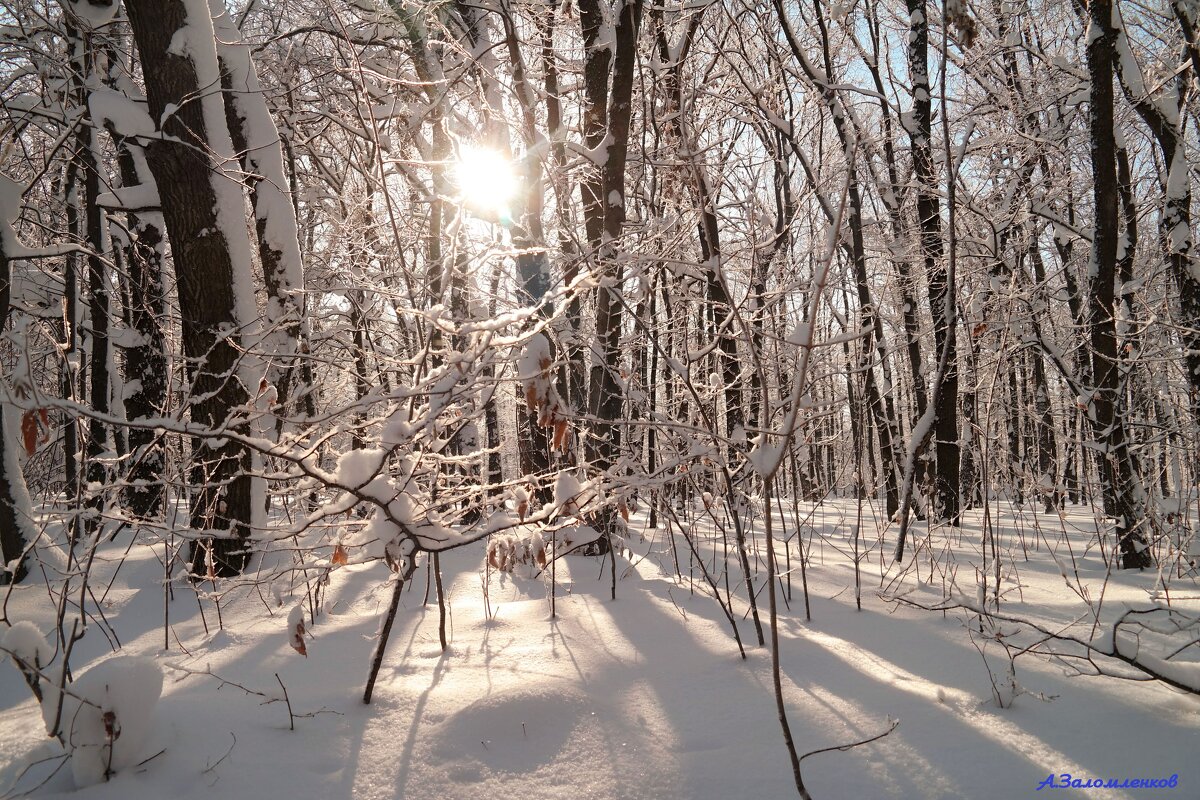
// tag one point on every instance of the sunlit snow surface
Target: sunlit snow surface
(644, 697)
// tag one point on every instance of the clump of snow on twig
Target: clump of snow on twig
(296, 630)
(107, 715)
(26, 644)
(534, 368)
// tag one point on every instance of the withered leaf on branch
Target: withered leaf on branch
(296, 630)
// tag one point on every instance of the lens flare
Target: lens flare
(486, 181)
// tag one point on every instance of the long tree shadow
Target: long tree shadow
(941, 692)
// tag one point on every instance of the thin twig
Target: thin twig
(291, 716)
(214, 765)
(844, 747)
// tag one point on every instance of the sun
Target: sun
(486, 180)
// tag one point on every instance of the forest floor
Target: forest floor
(642, 697)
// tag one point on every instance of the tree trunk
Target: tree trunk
(16, 528)
(1122, 496)
(202, 208)
(945, 432)
(1047, 449)
(604, 210)
(1177, 194)
(70, 346)
(86, 153)
(257, 144)
(146, 361)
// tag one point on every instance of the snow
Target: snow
(24, 641)
(10, 416)
(10, 206)
(546, 687)
(534, 370)
(765, 457)
(533, 357)
(398, 428)
(273, 205)
(570, 494)
(138, 197)
(296, 630)
(597, 155)
(96, 13)
(1186, 673)
(356, 468)
(800, 334)
(1178, 187)
(1130, 74)
(195, 39)
(128, 689)
(606, 36)
(642, 697)
(126, 116)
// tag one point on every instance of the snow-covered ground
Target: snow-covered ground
(642, 697)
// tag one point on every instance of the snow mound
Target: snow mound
(108, 732)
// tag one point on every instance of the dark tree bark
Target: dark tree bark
(14, 528)
(70, 345)
(83, 61)
(1047, 447)
(1118, 479)
(257, 144)
(145, 362)
(606, 120)
(597, 69)
(945, 431)
(185, 169)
